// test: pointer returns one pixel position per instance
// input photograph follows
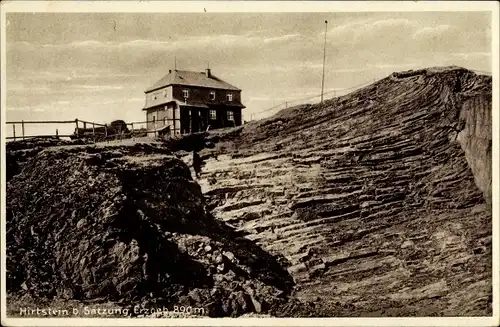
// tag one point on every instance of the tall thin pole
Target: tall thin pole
(324, 59)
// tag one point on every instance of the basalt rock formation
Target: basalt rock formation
(377, 203)
(380, 199)
(126, 222)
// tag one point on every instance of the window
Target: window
(212, 95)
(185, 93)
(213, 114)
(230, 115)
(229, 97)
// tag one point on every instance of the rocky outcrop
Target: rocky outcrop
(372, 196)
(18, 153)
(376, 203)
(123, 222)
(475, 139)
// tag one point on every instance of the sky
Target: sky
(96, 66)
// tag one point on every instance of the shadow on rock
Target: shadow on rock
(128, 224)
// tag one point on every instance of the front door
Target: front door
(198, 120)
(195, 120)
(202, 120)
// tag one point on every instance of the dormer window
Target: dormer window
(229, 97)
(212, 95)
(185, 93)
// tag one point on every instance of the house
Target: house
(186, 102)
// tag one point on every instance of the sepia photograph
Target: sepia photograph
(222, 163)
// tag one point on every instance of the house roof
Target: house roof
(185, 77)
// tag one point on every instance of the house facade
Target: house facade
(185, 102)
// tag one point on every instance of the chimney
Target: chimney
(207, 73)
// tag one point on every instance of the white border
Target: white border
(245, 6)
(264, 6)
(348, 322)
(3, 81)
(495, 182)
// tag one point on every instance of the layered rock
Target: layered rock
(378, 199)
(377, 203)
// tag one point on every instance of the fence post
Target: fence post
(76, 129)
(57, 133)
(286, 104)
(84, 125)
(22, 127)
(132, 130)
(106, 131)
(93, 131)
(14, 131)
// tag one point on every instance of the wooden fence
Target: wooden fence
(99, 131)
(83, 129)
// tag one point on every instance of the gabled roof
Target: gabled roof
(185, 77)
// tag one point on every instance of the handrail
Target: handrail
(41, 122)
(287, 103)
(33, 136)
(91, 123)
